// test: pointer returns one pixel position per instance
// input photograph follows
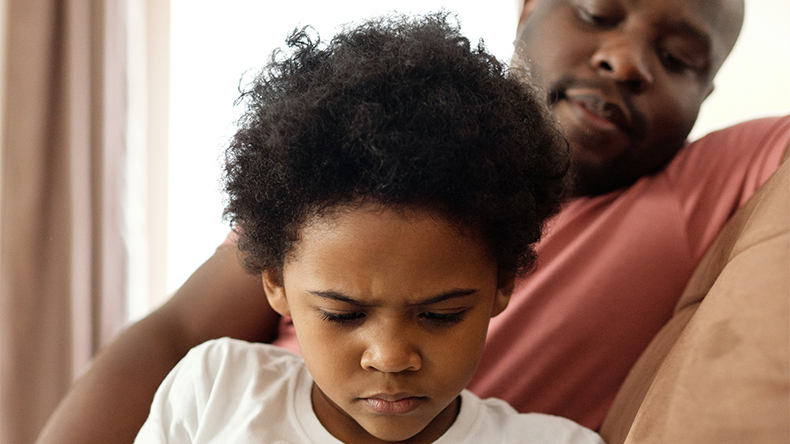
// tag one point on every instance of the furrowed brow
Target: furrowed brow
(452, 294)
(339, 297)
(335, 296)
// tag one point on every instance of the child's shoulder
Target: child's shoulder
(222, 385)
(229, 346)
(219, 356)
(495, 417)
(246, 374)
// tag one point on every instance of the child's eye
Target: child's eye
(443, 319)
(341, 318)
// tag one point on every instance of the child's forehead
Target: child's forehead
(361, 241)
(374, 257)
(360, 214)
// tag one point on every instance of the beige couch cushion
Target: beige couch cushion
(719, 371)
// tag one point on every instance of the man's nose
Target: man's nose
(624, 60)
(391, 350)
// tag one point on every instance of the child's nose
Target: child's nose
(391, 352)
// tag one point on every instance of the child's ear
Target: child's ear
(503, 293)
(275, 291)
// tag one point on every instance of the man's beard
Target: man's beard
(590, 181)
(593, 180)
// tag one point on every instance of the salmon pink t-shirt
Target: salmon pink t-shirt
(610, 271)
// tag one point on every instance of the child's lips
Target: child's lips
(397, 404)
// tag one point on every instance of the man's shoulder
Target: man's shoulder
(741, 156)
(744, 136)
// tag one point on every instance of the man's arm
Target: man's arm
(110, 402)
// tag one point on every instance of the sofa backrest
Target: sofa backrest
(719, 370)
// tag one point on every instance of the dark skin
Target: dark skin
(625, 79)
(629, 82)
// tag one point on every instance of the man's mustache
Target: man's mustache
(557, 91)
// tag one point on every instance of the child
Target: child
(387, 189)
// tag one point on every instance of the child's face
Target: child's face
(391, 313)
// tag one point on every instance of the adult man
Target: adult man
(625, 79)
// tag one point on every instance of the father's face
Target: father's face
(625, 78)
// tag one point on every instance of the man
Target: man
(625, 79)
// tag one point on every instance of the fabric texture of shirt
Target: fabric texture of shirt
(230, 391)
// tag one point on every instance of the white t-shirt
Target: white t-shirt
(230, 391)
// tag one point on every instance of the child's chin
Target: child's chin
(394, 431)
(395, 436)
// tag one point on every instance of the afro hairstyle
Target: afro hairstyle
(399, 111)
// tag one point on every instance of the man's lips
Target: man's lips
(604, 111)
(393, 404)
(597, 103)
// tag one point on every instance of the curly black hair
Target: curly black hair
(403, 112)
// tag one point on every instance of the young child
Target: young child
(387, 188)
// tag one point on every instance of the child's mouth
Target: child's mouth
(394, 405)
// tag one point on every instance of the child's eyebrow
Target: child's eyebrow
(451, 294)
(335, 296)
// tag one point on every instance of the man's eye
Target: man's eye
(341, 318)
(674, 63)
(443, 319)
(593, 19)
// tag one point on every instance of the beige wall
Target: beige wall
(754, 79)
